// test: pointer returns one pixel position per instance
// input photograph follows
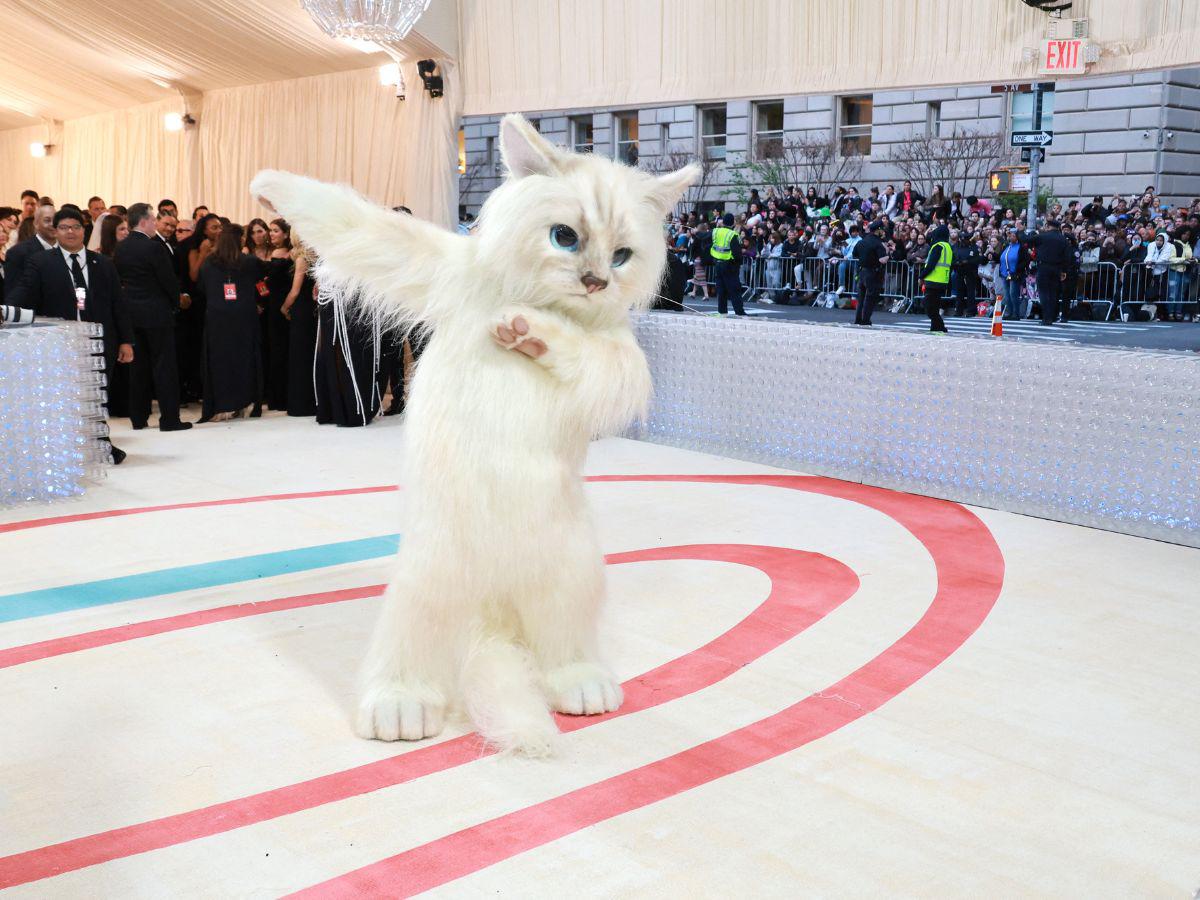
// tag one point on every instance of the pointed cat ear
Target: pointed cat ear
(524, 151)
(665, 190)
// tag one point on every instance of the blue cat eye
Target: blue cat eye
(621, 256)
(564, 238)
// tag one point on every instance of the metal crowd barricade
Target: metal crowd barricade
(1140, 286)
(897, 281)
(1100, 285)
(773, 277)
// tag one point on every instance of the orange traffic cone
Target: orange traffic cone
(997, 318)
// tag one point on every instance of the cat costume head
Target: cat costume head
(575, 231)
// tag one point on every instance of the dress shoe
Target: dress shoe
(118, 455)
(138, 426)
(174, 426)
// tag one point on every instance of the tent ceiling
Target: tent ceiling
(73, 58)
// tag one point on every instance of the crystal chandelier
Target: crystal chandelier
(381, 21)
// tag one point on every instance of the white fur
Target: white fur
(499, 578)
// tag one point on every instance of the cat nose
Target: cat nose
(592, 283)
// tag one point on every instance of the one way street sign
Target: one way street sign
(1031, 139)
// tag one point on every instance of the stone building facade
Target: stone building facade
(1112, 134)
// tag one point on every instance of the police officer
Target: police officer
(937, 276)
(1054, 258)
(872, 256)
(727, 253)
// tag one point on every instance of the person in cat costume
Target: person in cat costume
(493, 604)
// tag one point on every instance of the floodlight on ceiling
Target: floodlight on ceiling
(389, 74)
(37, 149)
(178, 121)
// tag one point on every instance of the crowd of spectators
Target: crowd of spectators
(198, 311)
(1149, 244)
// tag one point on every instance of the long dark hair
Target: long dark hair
(193, 241)
(108, 234)
(228, 251)
(248, 244)
(283, 226)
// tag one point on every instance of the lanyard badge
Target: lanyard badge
(80, 298)
(230, 290)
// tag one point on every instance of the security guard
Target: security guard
(937, 276)
(872, 257)
(727, 253)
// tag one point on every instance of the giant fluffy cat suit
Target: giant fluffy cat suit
(493, 604)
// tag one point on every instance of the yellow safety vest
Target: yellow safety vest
(722, 240)
(941, 271)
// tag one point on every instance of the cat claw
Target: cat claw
(584, 689)
(392, 712)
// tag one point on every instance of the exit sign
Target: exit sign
(1062, 57)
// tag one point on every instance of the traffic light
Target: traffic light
(1000, 181)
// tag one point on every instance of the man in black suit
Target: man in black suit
(151, 292)
(1054, 257)
(44, 238)
(165, 224)
(72, 283)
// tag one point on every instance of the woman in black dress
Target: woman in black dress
(189, 322)
(279, 284)
(227, 283)
(300, 309)
(347, 365)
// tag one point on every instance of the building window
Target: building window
(768, 130)
(627, 137)
(664, 139)
(933, 119)
(581, 134)
(537, 125)
(712, 132)
(462, 151)
(854, 125)
(1021, 111)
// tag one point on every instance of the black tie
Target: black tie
(77, 272)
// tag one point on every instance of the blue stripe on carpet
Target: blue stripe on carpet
(48, 601)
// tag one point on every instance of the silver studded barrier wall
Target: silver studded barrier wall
(51, 415)
(1094, 436)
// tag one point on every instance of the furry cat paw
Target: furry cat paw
(513, 332)
(392, 711)
(584, 689)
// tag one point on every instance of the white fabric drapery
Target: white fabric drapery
(342, 127)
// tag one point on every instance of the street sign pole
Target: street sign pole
(1035, 163)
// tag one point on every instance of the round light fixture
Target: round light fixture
(173, 121)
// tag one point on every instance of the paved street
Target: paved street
(1141, 335)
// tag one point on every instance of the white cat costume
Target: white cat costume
(499, 577)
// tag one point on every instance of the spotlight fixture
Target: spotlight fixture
(427, 69)
(37, 149)
(177, 121)
(391, 76)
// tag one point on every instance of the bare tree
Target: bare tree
(471, 179)
(677, 158)
(811, 161)
(960, 162)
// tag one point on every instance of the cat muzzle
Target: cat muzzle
(592, 283)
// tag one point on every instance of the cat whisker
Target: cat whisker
(692, 309)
